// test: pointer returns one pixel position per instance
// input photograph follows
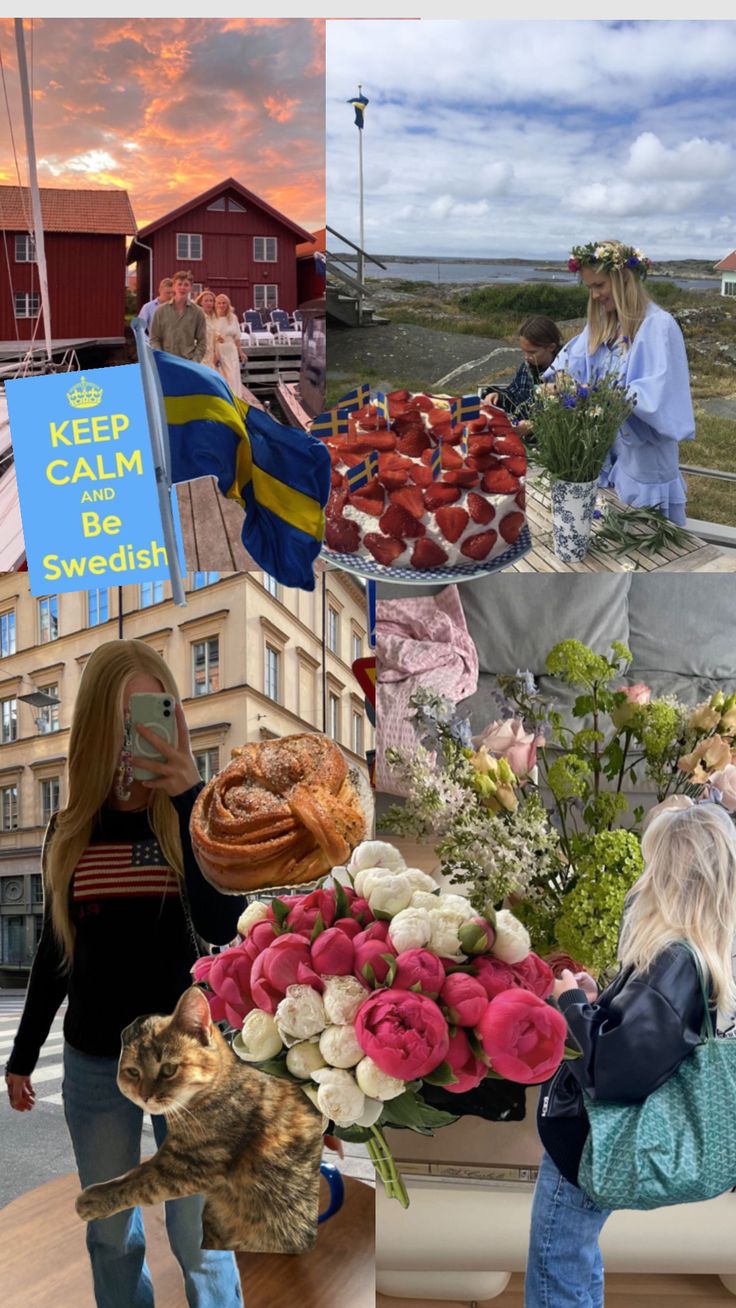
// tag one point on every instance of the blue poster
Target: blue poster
(86, 480)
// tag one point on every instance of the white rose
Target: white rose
(255, 912)
(456, 904)
(258, 1039)
(375, 1083)
(304, 1058)
(391, 895)
(368, 878)
(410, 929)
(512, 943)
(338, 1096)
(375, 853)
(421, 899)
(419, 880)
(444, 941)
(342, 997)
(339, 1047)
(371, 1112)
(300, 1015)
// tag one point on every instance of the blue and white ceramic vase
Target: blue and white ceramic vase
(573, 504)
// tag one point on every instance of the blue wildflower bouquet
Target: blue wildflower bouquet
(575, 425)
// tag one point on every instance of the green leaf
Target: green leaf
(392, 966)
(342, 908)
(417, 987)
(317, 929)
(442, 1075)
(353, 1134)
(276, 1067)
(379, 914)
(475, 1044)
(410, 1111)
(368, 974)
(280, 910)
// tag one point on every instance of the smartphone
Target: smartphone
(159, 713)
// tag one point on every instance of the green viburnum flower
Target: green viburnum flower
(604, 808)
(656, 727)
(567, 777)
(576, 664)
(608, 865)
(585, 739)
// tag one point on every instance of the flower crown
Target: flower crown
(608, 257)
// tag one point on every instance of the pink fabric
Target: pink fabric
(419, 642)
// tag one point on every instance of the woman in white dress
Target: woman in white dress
(206, 302)
(228, 349)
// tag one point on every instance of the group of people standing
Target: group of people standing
(205, 330)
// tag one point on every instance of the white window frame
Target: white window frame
(30, 306)
(50, 712)
(207, 688)
(333, 715)
(7, 625)
(52, 601)
(147, 604)
(10, 718)
(265, 243)
(187, 256)
(211, 758)
(333, 630)
(9, 807)
(98, 591)
(357, 646)
(271, 586)
(261, 297)
(48, 788)
(25, 248)
(357, 732)
(272, 672)
(209, 579)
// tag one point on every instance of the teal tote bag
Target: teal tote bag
(679, 1145)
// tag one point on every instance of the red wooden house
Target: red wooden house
(84, 239)
(231, 241)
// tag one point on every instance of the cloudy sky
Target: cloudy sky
(168, 107)
(521, 139)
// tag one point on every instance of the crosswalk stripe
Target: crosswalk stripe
(56, 1071)
(51, 1099)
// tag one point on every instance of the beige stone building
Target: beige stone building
(252, 660)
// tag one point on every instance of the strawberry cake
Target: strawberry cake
(420, 511)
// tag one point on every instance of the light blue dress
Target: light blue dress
(643, 466)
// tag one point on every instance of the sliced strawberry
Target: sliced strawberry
(337, 478)
(423, 402)
(368, 504)
(450, 457)
(342, 535)
(461, 477)
(366, 442)
(509, 444)
(481, 510)
(521, 498)
(438, 494)
(421, 475)
(410, 498)
(481, 444)
(427, 554)
(414, 442)
(482, 462)
(393, 471)
(398, 522)
(383, 548)
(479, 546)
(439, 418)
(451, 435)
(408, 421)
(516, 464)
(451, 522)
(478, 424)
(511, 525)
(336, 502)
(500, 482)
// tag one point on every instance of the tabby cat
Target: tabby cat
(249, 1142)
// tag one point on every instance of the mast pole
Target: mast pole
(361, 256)
(43, 281)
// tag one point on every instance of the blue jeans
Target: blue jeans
(105, 1128)
(564, 1268)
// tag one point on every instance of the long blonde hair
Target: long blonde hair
(199, 299)
(687, 891)
(631, 302)
(95, 742)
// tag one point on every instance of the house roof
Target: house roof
(316, 245)
(229, 184)
(728, 264)
(105, 213)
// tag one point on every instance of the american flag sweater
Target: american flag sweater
(133, 946)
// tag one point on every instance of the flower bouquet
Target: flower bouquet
(575, 426)
(365, 990)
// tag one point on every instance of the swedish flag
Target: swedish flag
(333, 422)
(381, 403)
(356, 398)
(464, 443)
(436, 462)
(359, 103)
(280, 475)
(465, 409)
(363, 472)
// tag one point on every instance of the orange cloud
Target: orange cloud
(280, 110)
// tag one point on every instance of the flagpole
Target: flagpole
(159, 435)
(361, 256)
(43, 281)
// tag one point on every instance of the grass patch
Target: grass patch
(714, 447)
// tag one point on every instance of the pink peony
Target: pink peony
(476, 936)
(370, 953)
(509, 740)
(417, 967)
(302, 917)
(404, 1033)
(523, 1036)
(532, 973)
(376, 931)
(276, 968)
(468, 1069)
(262, 934)
(494, 976)
(333, 953)
(360, 909)
(228, 975)
(725, 782)
(348, 926)
(464, 998)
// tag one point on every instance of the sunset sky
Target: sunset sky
(167, 107)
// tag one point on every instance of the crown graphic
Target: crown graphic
(85, 395)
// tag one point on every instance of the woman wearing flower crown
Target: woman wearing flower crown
(120, 885)
(629, 334)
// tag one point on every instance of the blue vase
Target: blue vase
(573, 504)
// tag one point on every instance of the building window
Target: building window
(333, 716)
(36, 888)
(208, 762)
(27, 304)
(188, 247)
(25, 248)
(8, 721)
(152, 592)
(729, 288)
(265, 249)
(357, 732)
(97, 607)
(357, 646)
(7, 632)
(271, 585)
(9, 808)
(333, 630)
(206, 666)
(218, 205)
(271, 675)
(48, 619)
(266, 297)
(202, 579)
(49, 798)
(14, 952)
(197, 288)
(48, 716)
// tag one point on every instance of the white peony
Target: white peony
(342, 997)
(512, 943)
(339, 1046)
(304, 1058)
(456, 904)
(391, 895)
(259, 1038)
(375, 853)
(444, 940)
(419, 880)
(421, 899)
(369, 878)
(371, 1112)
(339, 1096)
(375, 1083)
(300, 1015)
(254, 913)
(410, 929)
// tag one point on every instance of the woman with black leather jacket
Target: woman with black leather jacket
(634, 1035)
